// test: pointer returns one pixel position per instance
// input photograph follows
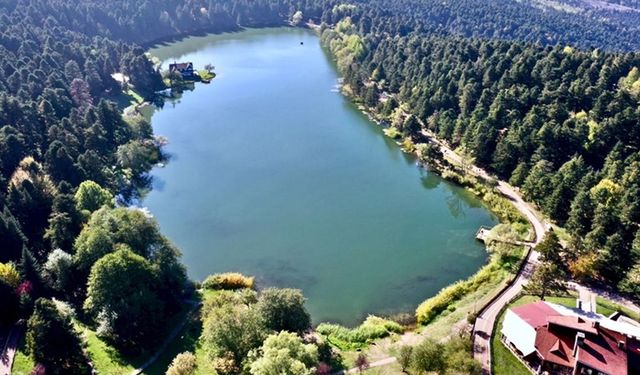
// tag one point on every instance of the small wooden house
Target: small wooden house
(185, 69)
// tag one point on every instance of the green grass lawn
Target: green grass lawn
(22, 363)
(127, 99)
(503, 362)
(105, 358)
(606, 307)
(186, 340)
(567, 301)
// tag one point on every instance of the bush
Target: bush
(228, 281)
(9, 274)
(432, 307)
(283, 310)
(505, 211)
(404, 319)
(372, 328)
(392, 133)
(223, 298)
(183, 364)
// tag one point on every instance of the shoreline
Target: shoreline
(370, 116)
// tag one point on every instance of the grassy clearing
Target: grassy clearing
(135, 97)
(606, 307)
(188, 339)
(503, 362)
(127, 98)
(567, 301)
(105, 358)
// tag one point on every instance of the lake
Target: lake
(275, 174)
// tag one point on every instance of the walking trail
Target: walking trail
(485, 321)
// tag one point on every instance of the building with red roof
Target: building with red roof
(550, 342)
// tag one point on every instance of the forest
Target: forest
(548, 99)
(559, 122)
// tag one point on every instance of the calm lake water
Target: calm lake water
(273, 173)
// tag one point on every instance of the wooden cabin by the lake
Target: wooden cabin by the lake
(185, 69)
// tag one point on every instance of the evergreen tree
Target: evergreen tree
(52, 341)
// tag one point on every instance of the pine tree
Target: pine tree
(546, 280)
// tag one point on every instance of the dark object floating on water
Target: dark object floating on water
(301, 43)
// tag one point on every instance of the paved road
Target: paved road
(486, 320)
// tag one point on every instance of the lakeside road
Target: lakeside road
(486, 320)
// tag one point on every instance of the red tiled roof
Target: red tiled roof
(556, 345)
(573, 322)
(601, 352)
(556, 335)
(598, 351)
(535, 314)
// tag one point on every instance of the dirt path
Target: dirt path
(176, 330)
(379, 363)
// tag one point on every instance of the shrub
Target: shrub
(432, 307)
(505, 211)
(283, 310)
(228, 281)
(183, 364)
(9, 274)
(372, 328)
(392, 133)
(228, 298)
(405, 356)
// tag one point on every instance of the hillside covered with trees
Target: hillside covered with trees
(534, 92)
(561, 123)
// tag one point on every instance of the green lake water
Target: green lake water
(273, 173)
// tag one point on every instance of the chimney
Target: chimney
(596, 324)
(621, 344)
(579, 342)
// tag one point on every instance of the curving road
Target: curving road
(487, 318)
(485, 321)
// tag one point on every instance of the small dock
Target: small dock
(482, 234)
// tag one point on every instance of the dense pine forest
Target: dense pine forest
(544, 94)
(559, 122)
